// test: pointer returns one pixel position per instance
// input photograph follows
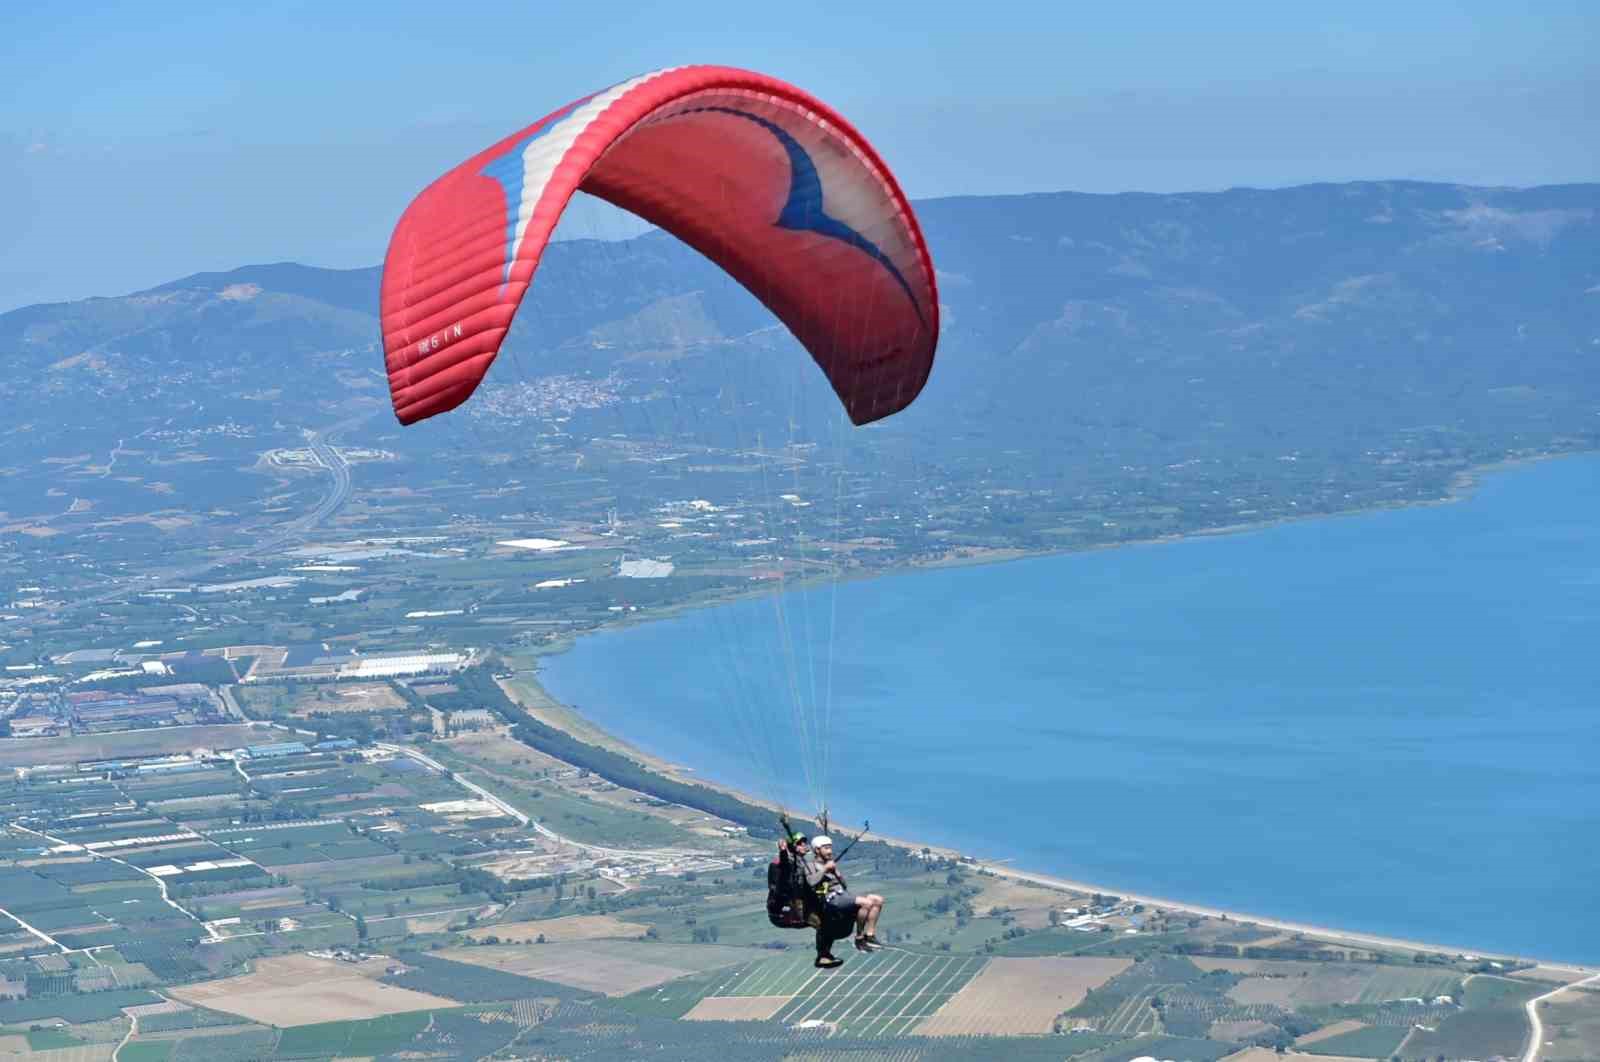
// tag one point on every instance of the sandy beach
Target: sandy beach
(555, 713)
(1338, 936)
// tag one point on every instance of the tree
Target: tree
(361, 927)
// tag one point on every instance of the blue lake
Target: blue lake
(1387, 722)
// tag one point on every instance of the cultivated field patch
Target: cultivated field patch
(1325, 986)
(356, 697)
(1387, 984)
(1030, 904)
(1267, 1054)
(1014, 996)
(1237, 1031)
(737, 1008)
(23, 752)
(1558, 974)
(301, 990)
(613, 968)
(888, 993)
(568, 927)
(1338, 1028)
(1264, 967)
(1572, 1026)
(1369, 1041)
(496, 747)
(80, 1053)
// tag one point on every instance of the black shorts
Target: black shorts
(839, 913)
(835, 923)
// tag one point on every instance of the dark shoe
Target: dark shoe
(827, 962)
(868, 944)
(872, 942)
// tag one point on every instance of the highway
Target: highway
(328, 458)
(339, 469)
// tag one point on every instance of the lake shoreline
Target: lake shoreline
(1464, 485)
(1054, 881)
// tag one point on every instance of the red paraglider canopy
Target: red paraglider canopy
(760, 177)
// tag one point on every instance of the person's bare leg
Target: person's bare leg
(862, 907)
(873, 912)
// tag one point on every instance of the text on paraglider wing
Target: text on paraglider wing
(439, 339)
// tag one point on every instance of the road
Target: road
(1326, 933)
(41, 934)
(133, 1029)
(161, 885)
(116, 452)
(339, 469)
(328, 458)
(660, 855)
(505, 809)
(1536, 1027)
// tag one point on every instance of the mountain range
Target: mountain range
(1436, 325)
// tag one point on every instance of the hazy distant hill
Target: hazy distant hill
(1081, 331)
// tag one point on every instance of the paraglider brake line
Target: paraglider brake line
(866, 827)
(822, 822)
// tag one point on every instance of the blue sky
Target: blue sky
(141, 142)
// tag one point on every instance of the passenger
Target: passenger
(840, 909)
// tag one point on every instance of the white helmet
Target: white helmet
(821, 839)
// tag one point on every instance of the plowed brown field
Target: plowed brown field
(737, 1008)
(1013, 996)
(301, 990)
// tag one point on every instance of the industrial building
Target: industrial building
(276, 751)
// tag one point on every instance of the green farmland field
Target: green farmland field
(1375, 1041)
(1387, 984)
(146, 1051)
(879, 995)
(375, 1036)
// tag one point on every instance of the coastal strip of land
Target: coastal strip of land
(1536, 1025)
(1324, 933)
(552, 712)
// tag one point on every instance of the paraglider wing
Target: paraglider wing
(760, 177)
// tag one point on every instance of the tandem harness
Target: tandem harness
(787, 895)
(790, 902)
